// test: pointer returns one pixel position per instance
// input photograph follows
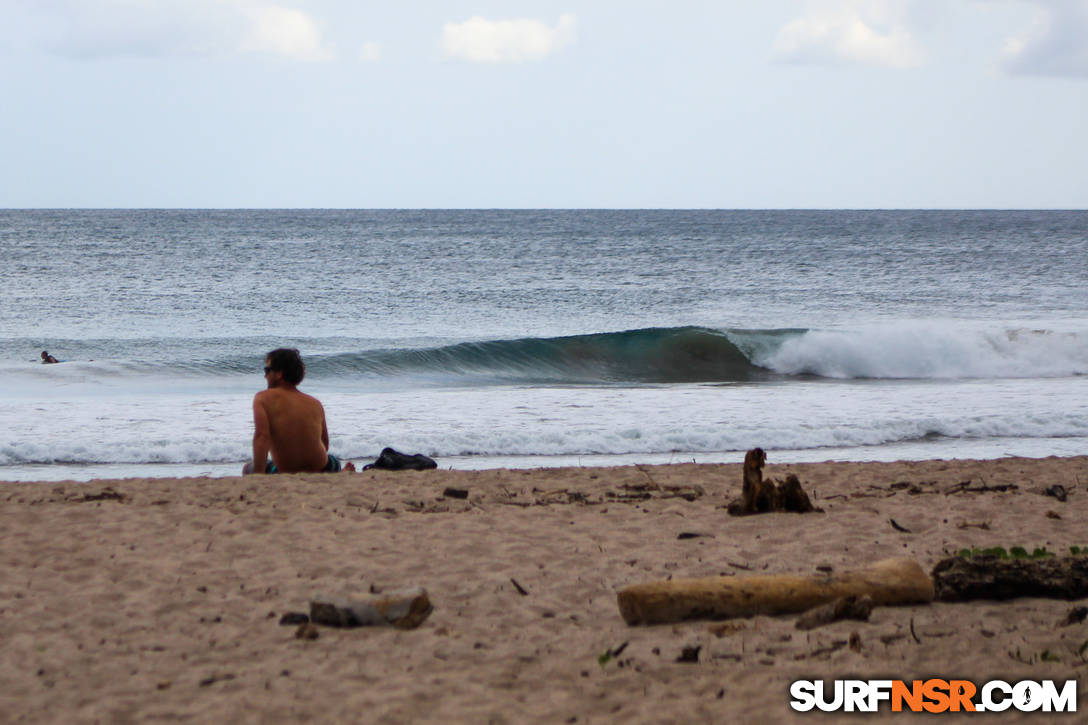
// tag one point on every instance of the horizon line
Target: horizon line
(534, 208)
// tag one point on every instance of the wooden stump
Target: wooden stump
(760, 497)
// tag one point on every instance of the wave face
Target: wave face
(896, 351)
(652, 355)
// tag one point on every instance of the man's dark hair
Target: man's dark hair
(288, 361)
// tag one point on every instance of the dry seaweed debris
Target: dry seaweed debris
(959, 579)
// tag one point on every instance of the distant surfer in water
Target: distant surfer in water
(288, 424)
(48, 359)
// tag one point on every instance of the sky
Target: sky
(544, 104)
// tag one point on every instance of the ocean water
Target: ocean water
(530, 338)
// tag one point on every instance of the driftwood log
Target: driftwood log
(891, 581)
(403, 609)
(960, 579)
(759, 496)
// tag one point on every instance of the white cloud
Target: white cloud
(1055, 45)
(170, 28)
(283, 31)
(370, 52)
(862, 33)
(513, 41)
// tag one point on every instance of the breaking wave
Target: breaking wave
(902, 350)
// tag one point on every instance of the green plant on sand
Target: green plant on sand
(1016, 552)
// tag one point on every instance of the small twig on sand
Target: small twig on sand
(965, 487)
(897, 527)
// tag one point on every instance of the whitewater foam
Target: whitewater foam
(560, 420)
(928, 350)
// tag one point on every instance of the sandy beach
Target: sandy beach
(160, 600)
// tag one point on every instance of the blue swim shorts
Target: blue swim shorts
(331, 466)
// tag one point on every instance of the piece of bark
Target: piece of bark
(891, 581)
(1057, 491)
(960, 579)
(1076, 616)
(689, 654)
(851, 607)
(307, 630)
(404, 609)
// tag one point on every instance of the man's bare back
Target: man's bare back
(288, 424)
(293, 424)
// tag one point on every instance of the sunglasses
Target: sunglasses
(267, 370)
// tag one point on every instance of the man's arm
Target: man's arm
(324, 432)
(262, 434)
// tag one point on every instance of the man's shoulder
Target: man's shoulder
(265, 397)
(308, 396)
(284, 394)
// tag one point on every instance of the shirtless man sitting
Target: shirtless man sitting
(289, 424)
